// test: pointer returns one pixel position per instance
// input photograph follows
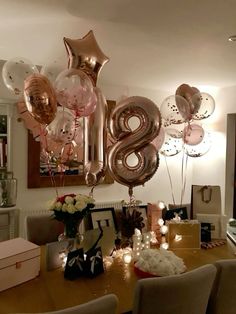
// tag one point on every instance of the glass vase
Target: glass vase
(72, 233)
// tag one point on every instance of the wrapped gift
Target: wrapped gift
(94, 262)
(19, 262)
(184, 234)
(75, 264)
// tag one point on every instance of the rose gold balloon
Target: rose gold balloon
(95, 141)
(30, 123)
(86, 55)
(187, 92)
(40, 98)
(136, 141)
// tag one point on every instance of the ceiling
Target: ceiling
(153, 44)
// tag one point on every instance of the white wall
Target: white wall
(209, 169)
(158, 188)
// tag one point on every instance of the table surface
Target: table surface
(50, 291)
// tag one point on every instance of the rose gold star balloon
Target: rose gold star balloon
(86, 55)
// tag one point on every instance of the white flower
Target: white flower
(69, 200)
(51, 204)
(64, 207)
(71, 209)
(58, 206)
(80, 204)
(85, 198)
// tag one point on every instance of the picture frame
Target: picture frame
(36, 180)
(181, 211)
(143, 210)
(106, 217)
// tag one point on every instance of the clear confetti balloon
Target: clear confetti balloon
(170, 110)
(206, 108)
(14, 73)
(74, 90)
(64, 128)
(173, 143)
(200, 149)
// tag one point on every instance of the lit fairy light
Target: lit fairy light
(160, 222)
(164, 229)
(164, 246)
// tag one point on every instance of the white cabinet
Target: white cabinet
(8, 223)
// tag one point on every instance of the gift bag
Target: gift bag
(75, 264)
(205, 199)
(94, 262)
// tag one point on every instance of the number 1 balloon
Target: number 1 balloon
(95, 137)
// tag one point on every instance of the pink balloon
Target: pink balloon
(201, 148)
(193, 134)
(159, 140)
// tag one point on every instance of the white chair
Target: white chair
(223, 296)
(178, 294)
(106, 304)
(42, 229)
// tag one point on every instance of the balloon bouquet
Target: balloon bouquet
(181, 132)
(51, 111)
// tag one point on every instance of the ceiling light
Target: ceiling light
(232, 38)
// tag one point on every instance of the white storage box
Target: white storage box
(19, 262)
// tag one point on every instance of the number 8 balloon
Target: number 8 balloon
(136, 141)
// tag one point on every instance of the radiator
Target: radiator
(117, 205)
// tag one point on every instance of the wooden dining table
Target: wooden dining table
(50, 291)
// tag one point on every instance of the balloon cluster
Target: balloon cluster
(52, 106)
(187, 106)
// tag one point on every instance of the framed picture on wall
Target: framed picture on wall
(104, 217)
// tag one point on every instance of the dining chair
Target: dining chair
(42, 228)
(222, 299)
(106, 304)
(177, 294)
